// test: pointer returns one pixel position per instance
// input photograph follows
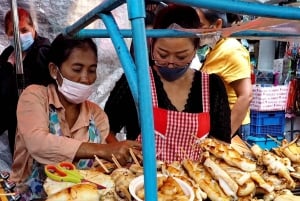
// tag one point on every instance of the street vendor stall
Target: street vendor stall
(137, 74)
(138, 77)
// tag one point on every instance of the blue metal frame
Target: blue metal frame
(243, 7)
(136, 13)
(137, 72)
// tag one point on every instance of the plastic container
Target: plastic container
(267, 123)
(264, 142)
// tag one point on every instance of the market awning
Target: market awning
(265, 28)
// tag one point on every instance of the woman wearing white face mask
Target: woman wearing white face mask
(35, 69)
(57, 123)
(230, 60)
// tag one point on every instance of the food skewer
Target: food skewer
(101, 164)
(158, 153)
(241, 146)
(196, 139)
(184, 152)
(274, 139)
(134, 158)
(178, 156)
(7, 194)
(116, 161)
(288, 144)
(248, 144)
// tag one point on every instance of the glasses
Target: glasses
(176, 64)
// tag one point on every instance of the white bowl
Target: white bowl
(138, 183)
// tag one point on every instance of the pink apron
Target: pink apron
(177, 133)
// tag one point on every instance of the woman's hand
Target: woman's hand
(12, 57)
(119, 149)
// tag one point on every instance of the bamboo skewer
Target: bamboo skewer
(7, 194)
(184, 152)
(158, 152)
(101, 164)
(248, 144)
(274, 139)
(134, 158)
(116, 161)
(294, 141)
(196, 143)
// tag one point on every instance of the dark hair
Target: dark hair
(62, 47)
(22, 14)
(213, 15)
(184, 16)
(152, 7)
(233, 18)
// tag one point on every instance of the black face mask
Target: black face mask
(171, 74)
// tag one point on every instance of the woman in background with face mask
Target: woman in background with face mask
(57, 123)
(35, 69)
(187, 105)
(34, 48)
(229, 59)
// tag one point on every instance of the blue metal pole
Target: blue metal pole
(264, 34)
(105, 6)
(243, 7)
(136, 13)
(127, 33)
(122, 52)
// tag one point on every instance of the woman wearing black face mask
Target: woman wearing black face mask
(187, 104)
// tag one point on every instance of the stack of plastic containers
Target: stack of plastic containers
(267, 115)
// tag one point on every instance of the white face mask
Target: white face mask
(74, 92)
(209, 39)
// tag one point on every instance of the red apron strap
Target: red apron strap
(153, 89)
(205, 92)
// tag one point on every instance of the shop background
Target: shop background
(270, 57)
